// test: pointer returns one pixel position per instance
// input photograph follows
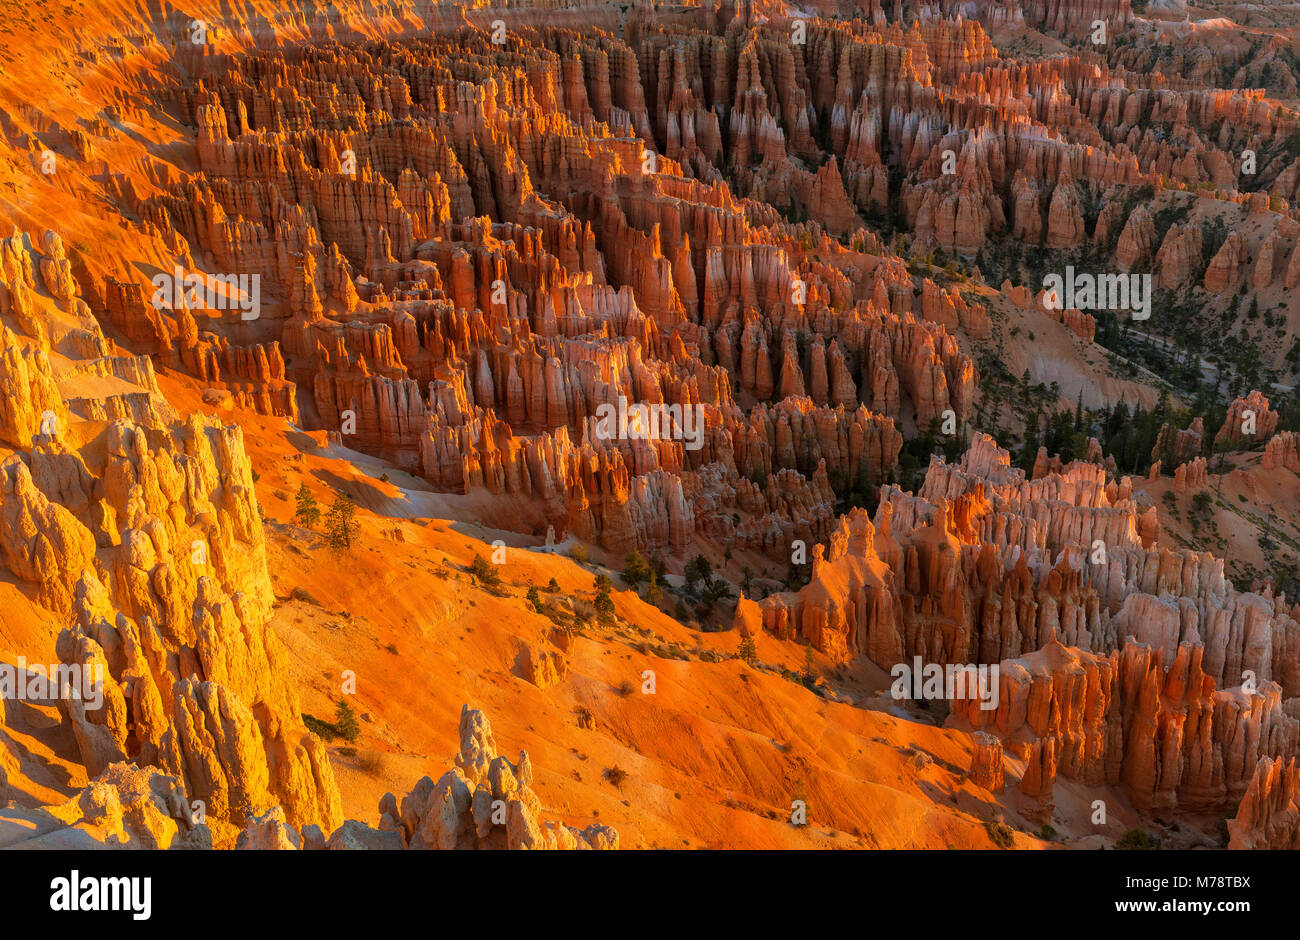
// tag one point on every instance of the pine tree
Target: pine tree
(1029, 452)
(698, 570)
(635, 569)
(307, 513)
(1133, 456)
(653, 592)
(1118, 420)
(748, 651)
(809, 675)
(340, 522)
(484, 571)
(603, 603)
(345, 721)
(604, 607)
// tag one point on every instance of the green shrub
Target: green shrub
(345, 722)
(322, 729)
(635, 569)
(484, 571)
(1137, 840)
(1000, 834)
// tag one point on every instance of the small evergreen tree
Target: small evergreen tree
(635, 569)
(714, 591)
(340, 522)
(748, 650)
(604, 605)
(307, 513)
(484, 571)
(345, 721)
(809, 675)
(1137, 839)
(698, 569)
(653, 592)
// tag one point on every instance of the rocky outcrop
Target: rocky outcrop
(30, 403)
(466, 256)
(1282, 451)
(1249, 421)
(1227, 265)
(484, 802)
(123, 807)
(1269, 814)
(543, 667)
(1180, 256)
(1065, 227)
(425, 328)
(867, 599)
(1136, 241)
(268, 832)
(1191, 476)
(43, 543)
(151, 545)
(986, 768)
(1163, 731)
(1120, 661)
(1174, 447)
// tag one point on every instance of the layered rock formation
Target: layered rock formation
(1269, 814)
(484, 802)
(471, 257)
(150, 545)
(1249, 421)
(474, 330)
(456, 270)
(124, 807)
(1120, 661)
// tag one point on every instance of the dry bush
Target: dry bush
(373, 763)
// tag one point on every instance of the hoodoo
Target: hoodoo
(858, 424)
